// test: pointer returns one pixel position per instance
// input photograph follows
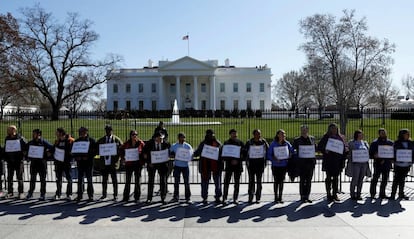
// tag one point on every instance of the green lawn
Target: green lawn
(195, 134)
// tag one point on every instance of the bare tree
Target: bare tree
(384, 94)
(56, 54)
(408, 83)
(290, 91)
(349, 53)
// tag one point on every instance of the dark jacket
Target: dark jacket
(114, 158)
(14, 156)
(39, 142)
(256, 162)
(150, 146)
(333, 163)
(233, 163)
(385, 163)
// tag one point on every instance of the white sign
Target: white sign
(107, 149)
(335, 145)
(306, 151)
(13, 146)
(281, 152)
(256, 152)
(159, 156)
(183, 154)
(404, 155)
(360, 156)
(131, 154)
(232, 151)
(59, 154)
(80, 147)
(36, 151)
(210, 152)
(385, 151)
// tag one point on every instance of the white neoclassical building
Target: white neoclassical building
(200, 85)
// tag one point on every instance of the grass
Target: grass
(195, 134)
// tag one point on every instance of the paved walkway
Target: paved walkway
(346, 219)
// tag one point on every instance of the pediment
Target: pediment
(186, 63)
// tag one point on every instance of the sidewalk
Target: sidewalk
(108, 219)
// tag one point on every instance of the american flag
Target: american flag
(185, 37)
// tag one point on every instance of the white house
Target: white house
(195, 84)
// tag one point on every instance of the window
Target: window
(222, 87)
(172, 88)
(249, 104)
(154, 88)
(128, 105)
(248, 87)
(203, 88)
(115, 89)
(222, 105)
(235, 104)
(140, 88)
(262, 105)
(154, 105)
(261, 87)
(128, 88)
(115, 105)
(203, 105)
(141, 105)
(187, 88)
(235, 87)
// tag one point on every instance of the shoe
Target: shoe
(188, 201)
(329, 198)
(9, 195)
(359, 198)
(21, 196)
(29, 196)
(257, 201)
(125, 200)
(78, 198)
(308, 201)
(174, 200)
(250, 201)
(115, 198)
(281, 201)
(102, 198)
(236, 202)
(163, 202)
(336, 198)
(68, 198)
(148, 202)
(403, 197)
(373, 196)
(42, 198)
(90, 199)
(1, 194)
(56, 197)
(218, 200)
(136, 201)
(204, 202)
(392, 197)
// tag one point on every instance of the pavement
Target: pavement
(108, 219)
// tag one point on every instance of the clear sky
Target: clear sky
(248, 32)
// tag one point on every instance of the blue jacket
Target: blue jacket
(275, 162)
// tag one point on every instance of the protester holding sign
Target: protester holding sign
(13, 155)
(84, 150)
(255, 153)
(403, 148)
(280, 151)
(156, 153)
(382, 151)
(182, 152)
(36, 154)
(231, 154)
(109, 155)
(305, 152)
(131, 155)
(358, 158)
(333, 147)
(210, 163)
(62, 155)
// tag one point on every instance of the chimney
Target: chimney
(149, 63)
(227, 62)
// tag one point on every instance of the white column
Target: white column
(177, 91)
(161, 93)
(195, 79)
(213, 93)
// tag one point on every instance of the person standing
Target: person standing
(36, 154)
(305, 148)
(231, 154)
(359, 157)
(210, 163)
(382, 151)
(161, 129)
(84, 150)
(156, 153)
(333, 147)
(280, 151)
(256, 149)
(403, 148)
(182, 152)
(13, 155)
(63, 162)
(109, 153)
(131, 154)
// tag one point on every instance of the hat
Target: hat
(83, 129)
(232, 131)
(159, 134)
(37, 131)
(209, 132)
(181, 135)
(108, 127)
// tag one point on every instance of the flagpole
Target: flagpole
(188, 44)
